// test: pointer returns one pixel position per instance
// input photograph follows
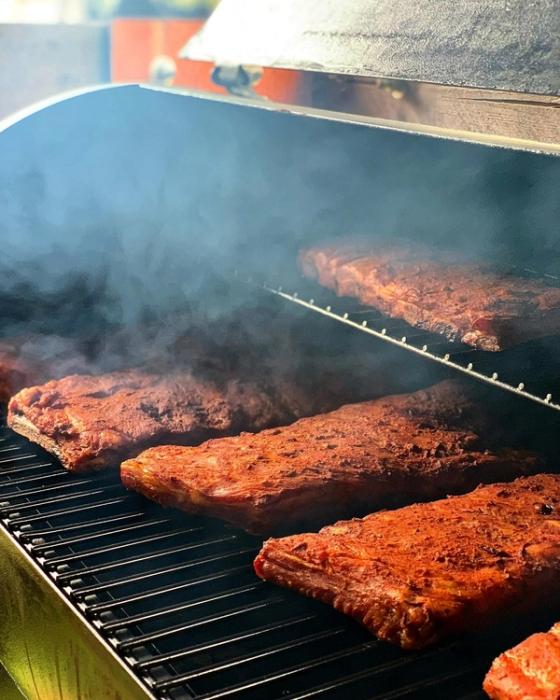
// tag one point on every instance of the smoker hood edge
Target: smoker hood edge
(512, 45)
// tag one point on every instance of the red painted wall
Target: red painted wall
(135, 42)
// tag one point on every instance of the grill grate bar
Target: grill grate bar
(291, 671)
(81, 525)
(97, 588)
(216, 668)
(12, 448)
(25, 468)
(100, 534)
(20, 458)
(161, 612)
(40, 489)
(71, 511)
(87, 493)
(56, 561)
(142, 639)
(222, 641)
(366, 673)
(143, 558)
(162, 590)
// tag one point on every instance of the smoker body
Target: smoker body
(45, 644)
(122, 184)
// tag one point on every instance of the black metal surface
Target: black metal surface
(176, 597)
(510, 45)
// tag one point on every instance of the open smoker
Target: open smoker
(150, 196)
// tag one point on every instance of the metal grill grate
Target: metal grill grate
(531, 370)
(177, 599)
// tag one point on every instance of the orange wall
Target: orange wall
(135, 42)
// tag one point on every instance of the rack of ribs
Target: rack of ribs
(529, 671)
(200, 390)
(360, 457)
(91, 422)
(418, 574)
(463, 301)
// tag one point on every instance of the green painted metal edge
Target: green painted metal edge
(45, 644)
(8, 689)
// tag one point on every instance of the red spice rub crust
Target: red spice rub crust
(90, 422)
(463, 301)
(416, 575)
(531, 670)
(355, 459)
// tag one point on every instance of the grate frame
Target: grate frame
(487, 367)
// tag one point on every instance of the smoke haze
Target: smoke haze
(126, 207)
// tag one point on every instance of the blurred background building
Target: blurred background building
(53, 11)
(48, 47)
